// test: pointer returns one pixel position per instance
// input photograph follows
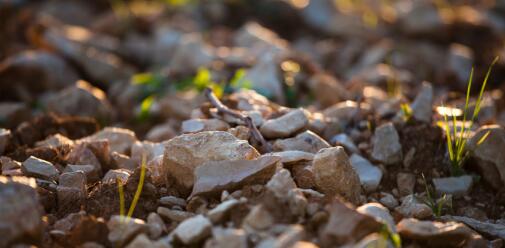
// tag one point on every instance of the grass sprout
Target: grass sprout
(436, 205)
(406, 112)
(457, 140)
(136, 197)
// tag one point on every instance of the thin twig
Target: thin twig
(223, 109)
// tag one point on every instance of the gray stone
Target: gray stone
(56, 140)
(380, 213)
(411, 207)
(386, 145)
(489, 155)
(92, 175)
(171, 201)
(39, 168)
(488, 228)
(258, 218)
(288, 238)
(215, 176)
(422, 107)
(120, 139)
(174, 215)
(113, 175)
(193, 230)
(200, 125)
(81, 99)
(406, 183)
(265, 77)
(20, 211)
(217, 214)
(228, 238)
(369, 175)
(345, 141)
(456, 186)
(156, 225)
(307, 141)
(388, 200)
(281, 183)
(191, 53)
(123, 229)
(438, 234)
(186, 152)
(288, 157)
(334, 174)
(285, 125)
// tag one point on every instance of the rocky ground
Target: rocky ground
(293, 123)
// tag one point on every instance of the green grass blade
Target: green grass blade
(483, 87)
(121, 197)
(483, 138)
(448, 136)
(139, 186)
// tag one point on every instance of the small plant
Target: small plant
(457, 140)
(151, 84)
(437, 206)
(387, 234)
(406, 112)
(136, 197)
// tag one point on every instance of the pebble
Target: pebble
(120, 139)
(438, 234)
(81, 99)
(217, 214)
(380, 213)
(346, 225)
(20, 211)
(288, 157)
(369, 175)
(422, 107)
(193, 230)
(411, 207)
(258, 218)
(39, 168)
(406, 183)
(456, 186)
(228, 238)
(199, 125)
(174, 215)
(286, 125)
(123, 229)
(215, 176)
(92, 175)
(156, 225)
(386, 145)
(489, 155)
(334, 174)
(306, 141)
(281, 183)
(345, 141)
(170, 201)
(388, 200)
(113, 175)
(186, 152)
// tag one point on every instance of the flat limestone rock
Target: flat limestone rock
(216, 176)
(20, 211)
(186, 152)
(286, 125)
